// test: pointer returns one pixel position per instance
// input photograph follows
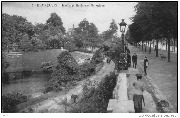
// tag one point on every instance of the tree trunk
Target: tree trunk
(142, 45)
(145, 46)
(153, 43)
(148, 43)
(150, 48)
(157, 48)
(174, 44)
(166, 43)
(168, 49)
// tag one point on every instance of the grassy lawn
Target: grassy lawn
(29, 61)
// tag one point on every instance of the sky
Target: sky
(99, 13)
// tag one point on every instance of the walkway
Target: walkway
(123, 94)
(162, 75)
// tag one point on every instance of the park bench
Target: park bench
(162, 56)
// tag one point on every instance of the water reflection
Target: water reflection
(32, 84)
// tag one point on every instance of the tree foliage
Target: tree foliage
(13, 29)
(154, 20)
(16, 28)
(86, 33)
(56, 21)
(108, 34)
(66, 71)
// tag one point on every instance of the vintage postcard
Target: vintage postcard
(89, 57)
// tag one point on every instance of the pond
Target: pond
(29, 79)
(32, 85)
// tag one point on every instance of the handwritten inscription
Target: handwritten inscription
(44, 5)
(83, 5)
(67, 5)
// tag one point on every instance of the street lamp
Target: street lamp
(122, 29)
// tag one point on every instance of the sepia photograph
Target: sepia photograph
(89, 57)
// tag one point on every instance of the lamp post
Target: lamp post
(122, 29)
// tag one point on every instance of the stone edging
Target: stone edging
(157, 93)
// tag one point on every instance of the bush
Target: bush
(87, 69)
(66, 71)
(96, 100)
(5, 64)
(70, 47)
(10, 102)
(5, 78)
(66, 60)
(97, 57)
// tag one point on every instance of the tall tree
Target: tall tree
(108, 34)
(87, 33)
(56, 21)
(157, 20)
(13, 29)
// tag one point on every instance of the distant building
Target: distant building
(71, 30)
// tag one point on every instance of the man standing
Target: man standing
(146, 63)
(138, 94)
(134, 60)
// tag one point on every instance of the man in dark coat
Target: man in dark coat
(134, 60)
(146, 63)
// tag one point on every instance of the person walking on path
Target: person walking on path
(138, 94)
(146, 63)
(134, 60)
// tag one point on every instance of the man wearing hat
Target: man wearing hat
(134, 60)
(138, 94)
(146, 63)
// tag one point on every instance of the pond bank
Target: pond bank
(56, 103)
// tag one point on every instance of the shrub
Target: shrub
(11, 100)
(70, 47)
(96, 100)
(86, 69)
(5, 64)
(97, 57)
(66, 60)
(5, 78)
(66, 71)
